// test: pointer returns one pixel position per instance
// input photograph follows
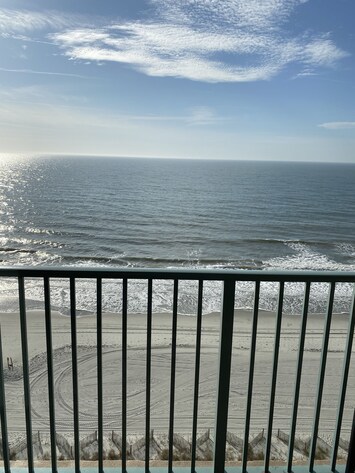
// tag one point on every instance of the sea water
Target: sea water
(163, 213)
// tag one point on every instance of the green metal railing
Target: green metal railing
(229, 279)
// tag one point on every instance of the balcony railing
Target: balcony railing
(229, 280)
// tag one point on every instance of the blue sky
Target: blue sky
(233, 79)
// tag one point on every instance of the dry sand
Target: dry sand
(161, 353)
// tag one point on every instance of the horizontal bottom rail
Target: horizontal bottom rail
(133, 467)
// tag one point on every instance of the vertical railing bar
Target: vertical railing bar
(317, 409)
(224, 367)
(148, 374)
(197, 374)
(274, 377)
(75, 375)
(99, 374)
(346, 366)
(172, 378)
(251, 376)
(47, 312)
(26, 377)
(350, 463)
(124, 376)
(4, 433)
(296, 396)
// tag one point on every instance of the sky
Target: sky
(223, 79)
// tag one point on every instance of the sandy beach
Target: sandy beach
(161, 352)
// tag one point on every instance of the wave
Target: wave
(305, 258)
(299, 256)
(163, 296)
(41, 257)
(346, 249)
(320, 243)
(18, 250)
(38, 231)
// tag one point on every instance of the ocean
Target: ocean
(165, 213)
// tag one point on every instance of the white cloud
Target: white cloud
(338, 125)
(305, 73)
(205, 40)
(322, 52)
(251, 14)
(15, 21)
(44, 104)
(202, 116)
(202, 40)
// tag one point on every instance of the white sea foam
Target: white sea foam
(305, 258)
(163, 296)
(346, 249)
(302, 258)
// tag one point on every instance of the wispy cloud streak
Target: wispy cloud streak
(46, 73)
(16, 21)
(203, 115)
(338, 125)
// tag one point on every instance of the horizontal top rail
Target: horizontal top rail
(187, 274)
